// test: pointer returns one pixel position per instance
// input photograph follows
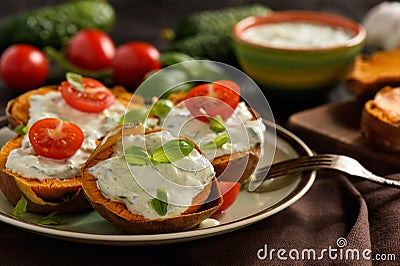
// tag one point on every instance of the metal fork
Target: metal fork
(337, 162)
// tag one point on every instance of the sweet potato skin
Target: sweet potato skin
(118, 214)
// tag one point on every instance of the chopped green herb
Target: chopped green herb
(134, 116)
(21, 129)
(136, 155)
(75, 80)
(172, 151)
(50, 220)
(162, 107)
(20, 208)
(160, 203)
(216, 123)
(217, 142)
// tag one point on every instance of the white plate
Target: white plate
(249, 208)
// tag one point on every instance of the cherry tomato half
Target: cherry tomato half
(229, 191)
(217, 98)
(95, 97)
(91, 49)
(132, 61)
(23, 67)
(54, 138)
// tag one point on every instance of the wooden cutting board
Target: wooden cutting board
(334, 128)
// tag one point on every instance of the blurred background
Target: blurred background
(145, 19)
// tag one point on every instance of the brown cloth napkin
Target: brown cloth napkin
(337, 215)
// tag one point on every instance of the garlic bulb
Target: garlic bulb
(382, 24)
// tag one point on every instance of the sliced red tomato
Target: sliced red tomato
(217, 98)
(55, 139)
(230, 191)
(95, 97)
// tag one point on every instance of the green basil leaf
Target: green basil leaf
(136, 155)
(50, 220)
(21, 129)
(20, 208)
(217, 124)
(162, 107)
(217, 142)
(160, 203)
(134, 116)
(172, 151)
(75, 80)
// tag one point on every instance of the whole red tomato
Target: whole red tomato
(91, 49)
(132, 61)
(23, 67)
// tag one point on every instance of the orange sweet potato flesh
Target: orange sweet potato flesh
(50, 195)
(371, 73)
(117, 212)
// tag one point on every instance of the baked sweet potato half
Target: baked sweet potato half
(17, 109)
(234, 166)
(371, 73)
(380, 120)
(62, 195)
(43, 196)
(203, 205)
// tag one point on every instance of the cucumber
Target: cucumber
(55, 25)
(207, 34)
(217, 21)
(206, 46)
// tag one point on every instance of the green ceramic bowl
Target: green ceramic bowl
(288, 69)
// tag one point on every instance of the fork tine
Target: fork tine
(287, 167)
(304, 162)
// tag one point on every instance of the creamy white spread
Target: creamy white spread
(24, 160)
(388, 102)
(244, 132)
(296, 35)
(136, 185)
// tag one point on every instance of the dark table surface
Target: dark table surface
(348, 209)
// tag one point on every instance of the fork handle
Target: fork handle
(388, 180)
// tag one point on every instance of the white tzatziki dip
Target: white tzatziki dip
(136, 185)
(244, 132)
(24, 160)
(296, 35)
